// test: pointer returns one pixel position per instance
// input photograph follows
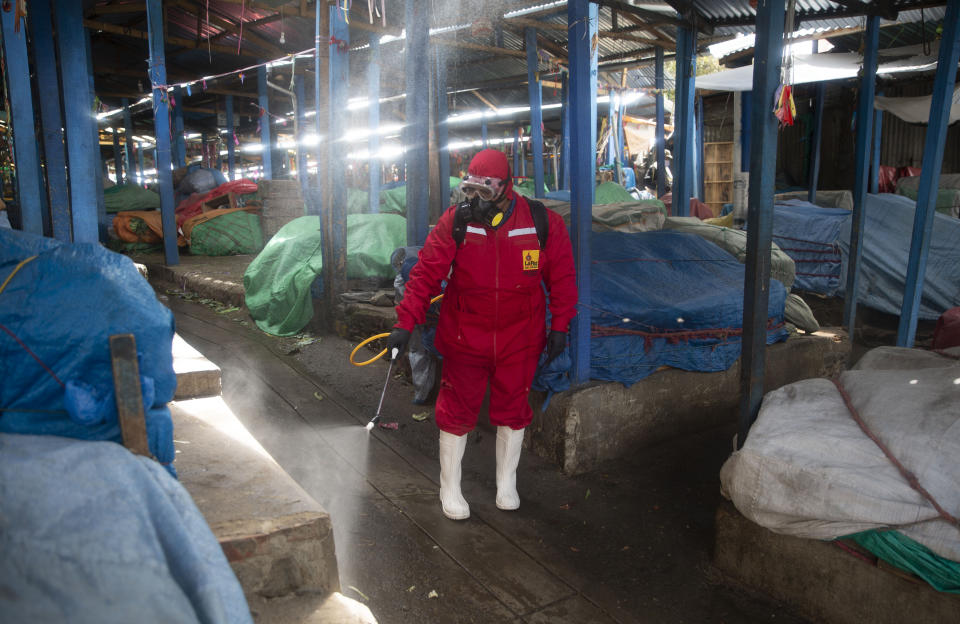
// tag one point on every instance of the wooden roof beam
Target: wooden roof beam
(141, 34)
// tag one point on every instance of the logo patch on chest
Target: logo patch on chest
(531, 259)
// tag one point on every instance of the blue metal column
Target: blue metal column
(180, 141)
(443, 130)
(746, 120)
(302, 175)
(816, 141)
(417, 113)
(83, 152)
(483, 130)
(231, 139)
(117, 159)
(51, 117)
(103, 220)
(516, 152)
(582, 31)
(756, 287)
(661, 133)
(564, 182)
(266, 152)
(128, 140)
(161, 128)
(373, 140)
(142, 178)
(621, 142)
(536, 113)
(611, 112)
(875, 151)
(683, 183)
(862, 171)
(940, 104)
(698, 150)
(334, 218)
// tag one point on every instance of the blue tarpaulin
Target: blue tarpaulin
(663, 299)
(808, 234)
(57, 313)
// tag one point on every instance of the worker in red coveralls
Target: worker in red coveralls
(492, 326)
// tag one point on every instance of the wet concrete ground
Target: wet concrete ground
(630, 542)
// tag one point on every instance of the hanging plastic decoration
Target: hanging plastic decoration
(785, 110)
(241, 77)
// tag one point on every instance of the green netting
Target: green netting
(947, 199)
(277, 282)
(611, 193)
(129, 197)
(226, 235)
(899, 550)
(526, 188)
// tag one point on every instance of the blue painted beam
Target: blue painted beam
(660, 132)
(417, 114)
(266, 144)
(936, 137)
(142, 178)
(161, 127)
(698, 150)
(51, 117)
(763, 142)
(582, 19)
(128, 140)
(180, 141)
(373, 122)
(516, 152)
(564, 182)
(443, 130)
(862, 169)
(103, 220)
(83, 152)
(621, 142)
(335, 216)
(303, 176)
(27, 158)
(611, 147)
(314, 200)
(683, 124)
(875, 151)
(535, 95)
(816, 142)
(117, 158)
(483, 130)
(746, 117)
(231, 139)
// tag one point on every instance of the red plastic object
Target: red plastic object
(947, 332)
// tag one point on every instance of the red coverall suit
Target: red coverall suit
(493, 317)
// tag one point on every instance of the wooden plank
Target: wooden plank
(126, 381)
(134, 33)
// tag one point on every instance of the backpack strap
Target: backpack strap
(460, 219)
(540, 221)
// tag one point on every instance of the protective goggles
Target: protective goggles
(484, 187)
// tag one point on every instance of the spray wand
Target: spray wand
(393, 358)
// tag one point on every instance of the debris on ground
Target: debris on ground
(362, 595)
(318, 396)
(421, 416)
(389, 425)
(433, 594)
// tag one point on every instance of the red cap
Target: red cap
(492, 163)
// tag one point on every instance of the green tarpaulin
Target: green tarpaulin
(129, 197)
(392, 201)
(277, 282)
(899, 550)
(611, 193)
(226, 235)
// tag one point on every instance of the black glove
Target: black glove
(398, 339)
(556, 343)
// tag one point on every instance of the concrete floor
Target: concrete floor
(627, 543)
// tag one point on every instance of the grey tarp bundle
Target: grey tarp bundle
(824, 199)
(93, 533)
(808, 470)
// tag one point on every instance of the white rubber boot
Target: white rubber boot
(451, 499)
(509, 443)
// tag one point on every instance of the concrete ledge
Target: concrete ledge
(278, 540)
(602, 421)
(215, 277)
(822, 581)
(196, 375)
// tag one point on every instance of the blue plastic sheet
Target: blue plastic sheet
(887, 230)
(56, 318)
(92, 533)
(809, 235)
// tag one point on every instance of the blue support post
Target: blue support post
(161, 127)
(83, 152)
(661, 133)
(611, 112)
(417, 113)
(746, 120)
(443, 130)
(180, 140)
(875, 151)
(516, 152)
(862, 170)
(483, 130)
(103, 221)
(816, 142)
(564, 181)
(142, 177)
(231, 136)
(334, 217)
(51, 117)
(302, 175)
(698, 150)
(128, 140)
(582, 30)
(373, 120)
(621, 142)
(320, 38)
(117, 159)
(683, 182)
(536, 112)
(266, 153)
(940, 104)
(756, 287)
(29, 181)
